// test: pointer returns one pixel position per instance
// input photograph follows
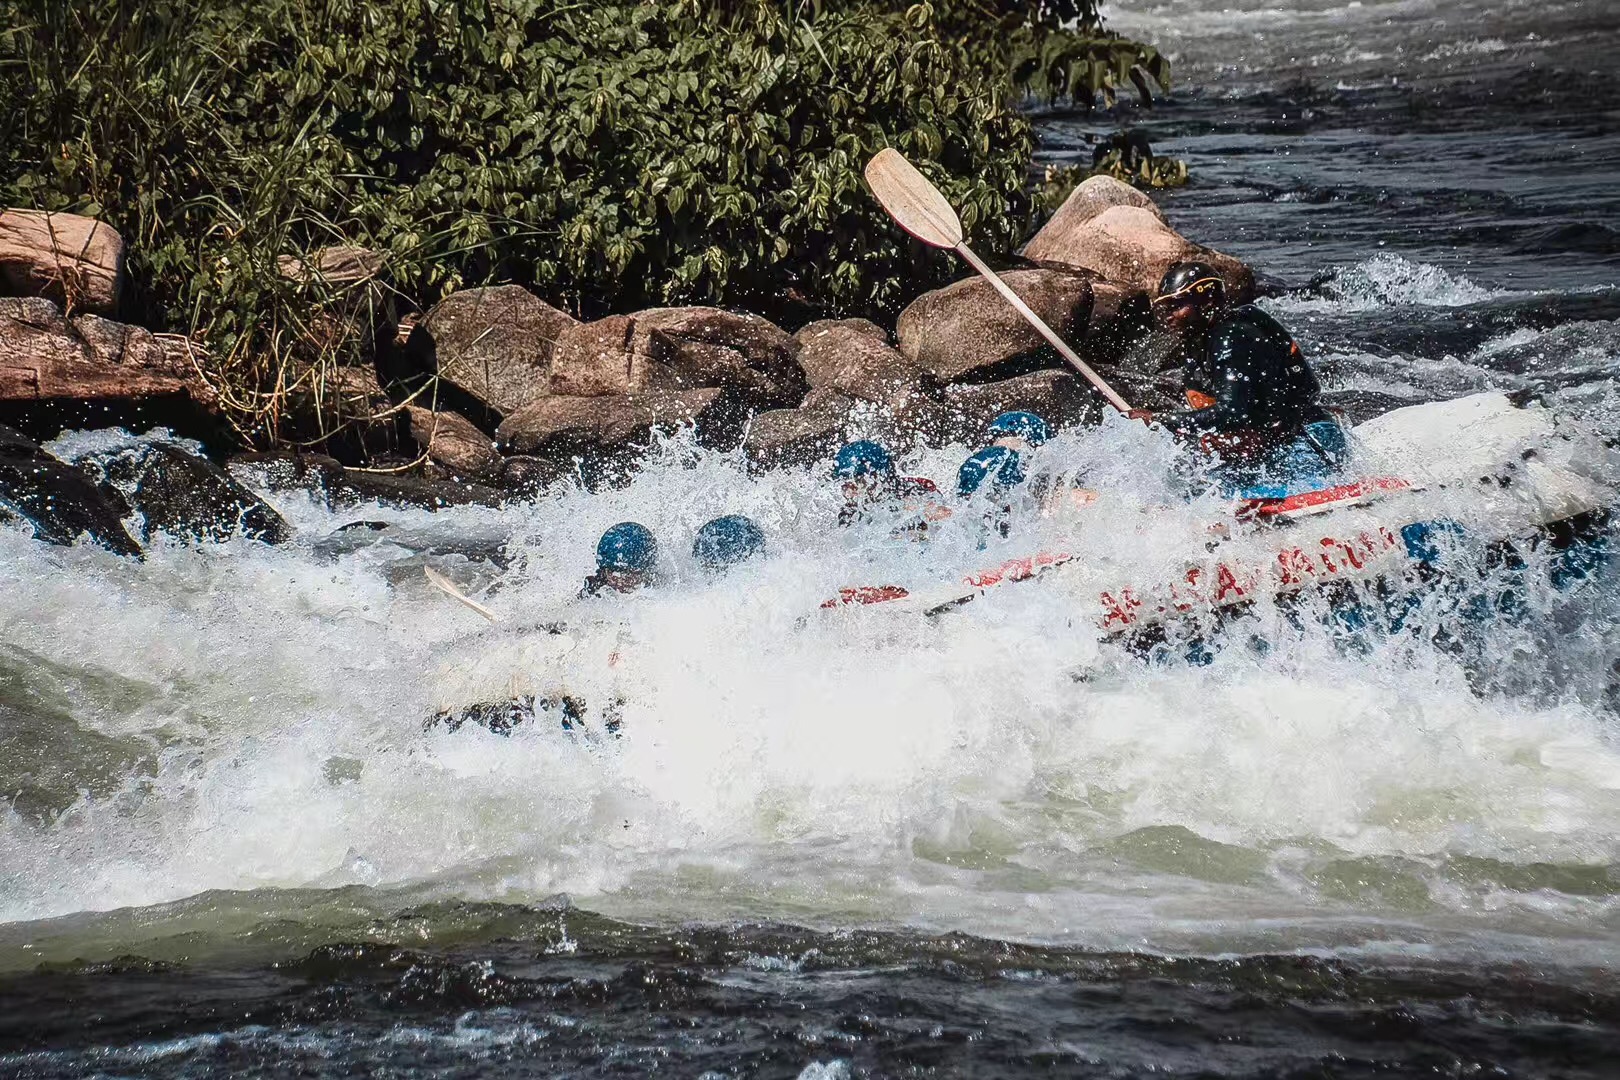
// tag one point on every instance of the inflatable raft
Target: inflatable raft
(1476, 473)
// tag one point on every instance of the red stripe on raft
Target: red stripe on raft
(1017, 569)
(1307, 500)
(1012, 570)
(866, 594)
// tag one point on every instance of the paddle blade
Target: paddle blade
(444, 585)
(914, 203)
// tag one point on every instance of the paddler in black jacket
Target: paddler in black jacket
(1254, 401)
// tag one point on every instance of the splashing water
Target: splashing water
(246, 718)
(1386, 280)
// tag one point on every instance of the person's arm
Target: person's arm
(1236, 354)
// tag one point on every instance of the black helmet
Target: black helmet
(1195, 281)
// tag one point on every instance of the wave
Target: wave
(1569, 366)
(1385, 280)
(239, 717)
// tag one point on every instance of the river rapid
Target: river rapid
(833, 844)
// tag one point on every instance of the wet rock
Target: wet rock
(967, 331)
(495, 343)
(44, 355)
(288, 471)
(340, 488)
(184, 495)
(454, 442)
(76, 261)
(401, 489)
(58, 502)
(1133, 246)
(1062, 398)
(813, 431)
(1121, 317)
(1090, 197)
(525, 475)
(608, 357)
(15, 444)
(680, 348)
(561, 426)
(854, 357)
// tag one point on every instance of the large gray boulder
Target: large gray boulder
(610, 357)
(680, 348)
(968, 332)
(57, 502)
(186, 496)
(564, 425)
(1090, 197)
(454, 442)
(45, 355)
(495, 343)
(800, 436)
(74, 260)
(1134, 246)
(854, 357)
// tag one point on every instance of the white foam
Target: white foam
(1386, 280)
(777, 761)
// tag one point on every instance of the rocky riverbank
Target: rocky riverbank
(496, 394)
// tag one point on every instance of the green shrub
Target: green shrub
(607, 156)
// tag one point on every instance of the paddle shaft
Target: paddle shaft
(1040, 324)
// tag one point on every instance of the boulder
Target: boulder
(609, 357)
(1090, 197)
(354, 486)
(813, 431)
(494, 343)
(968, 332)
(564, 425)
(854, 357)
(527, 476)
(680, 348)
(1121, 316)
(325, 478)
(74, 260)
(1062, 398)
(454, 442)
(1133, 246)
(43, 355)
(186, 496)
(57, 502)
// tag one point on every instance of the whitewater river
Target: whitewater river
(830, 845)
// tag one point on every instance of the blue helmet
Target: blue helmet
(1021, 425)
(726, 541)
(862, 458)
(997, 464)
(627, 547)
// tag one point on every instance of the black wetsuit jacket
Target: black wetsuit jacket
(1258, 377)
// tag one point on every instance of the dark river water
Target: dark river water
(231, 849)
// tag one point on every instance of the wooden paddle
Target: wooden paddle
(918, 207)
(446, 586)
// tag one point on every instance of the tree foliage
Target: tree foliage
(608, 156)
